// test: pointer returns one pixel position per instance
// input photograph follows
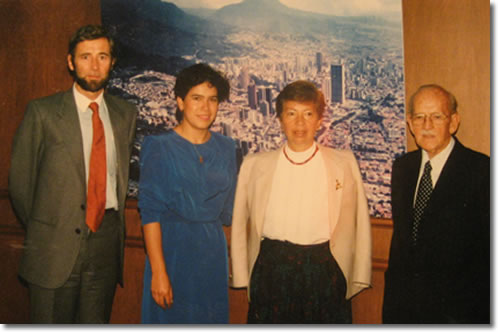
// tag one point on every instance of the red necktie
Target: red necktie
(95, 201)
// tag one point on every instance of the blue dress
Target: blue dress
(191, 200)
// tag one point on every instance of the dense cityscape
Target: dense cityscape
(363, 87)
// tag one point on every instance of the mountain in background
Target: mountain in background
(152, 34)
(155, 34)
(270, 16)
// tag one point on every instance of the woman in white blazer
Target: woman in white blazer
(301, 239)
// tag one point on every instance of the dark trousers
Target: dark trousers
(297, 284)
(87, 296)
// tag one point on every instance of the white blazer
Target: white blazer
(350, 240)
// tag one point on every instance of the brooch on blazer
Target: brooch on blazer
(338, 185)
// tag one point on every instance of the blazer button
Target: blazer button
(83, 207)
(77, 230)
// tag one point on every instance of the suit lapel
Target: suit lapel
(411, 172)
(449, 174)
(404, 182)
(70, 128)
(445, 190)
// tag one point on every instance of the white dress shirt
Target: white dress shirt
(437, 164)
(85, 117)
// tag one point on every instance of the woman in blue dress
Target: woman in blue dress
(186, 191)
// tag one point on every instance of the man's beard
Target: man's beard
(91, 86)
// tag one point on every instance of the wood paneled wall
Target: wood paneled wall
(445, 42)
(448, 42)
(34, 35)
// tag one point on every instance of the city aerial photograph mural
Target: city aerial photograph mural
(351, 49)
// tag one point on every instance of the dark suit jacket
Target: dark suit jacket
(447, 279)
(47, 182)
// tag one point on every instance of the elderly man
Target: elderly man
(439, 264)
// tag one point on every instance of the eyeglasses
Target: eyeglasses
(436, 118)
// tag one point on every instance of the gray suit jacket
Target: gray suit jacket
(47, 182)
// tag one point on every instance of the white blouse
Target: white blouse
(297, 210)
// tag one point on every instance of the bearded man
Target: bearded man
(68, 183)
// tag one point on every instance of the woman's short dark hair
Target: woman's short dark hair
(302, 91)
(197, 74)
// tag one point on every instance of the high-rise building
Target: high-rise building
(243, 114)
(226, 129)
(319, 60)
(326, 88)
(338, 83)
(264, 108)
(244, 78)
(252, 96)
(261, 94)
(269, 97)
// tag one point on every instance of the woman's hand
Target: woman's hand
(160, 286)
(161, 290)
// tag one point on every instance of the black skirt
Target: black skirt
(297, 284)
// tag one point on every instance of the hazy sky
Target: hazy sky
(332, 7)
